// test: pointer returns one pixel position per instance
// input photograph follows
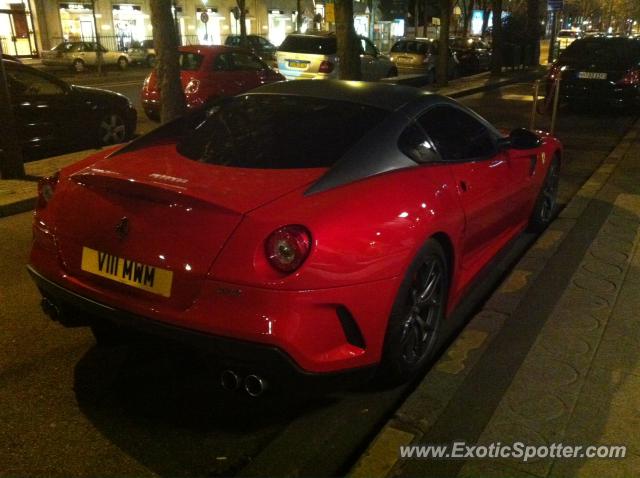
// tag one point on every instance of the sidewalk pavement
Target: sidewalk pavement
(18, 196)
(552, 357)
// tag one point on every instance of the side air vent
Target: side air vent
(351, 330)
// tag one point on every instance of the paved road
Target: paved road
(72, 409)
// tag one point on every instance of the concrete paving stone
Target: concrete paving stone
(483, 468)
(591, 283)
(618, 354)
(583, 468)
(602, 269)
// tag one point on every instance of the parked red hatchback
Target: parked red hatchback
(208, 73)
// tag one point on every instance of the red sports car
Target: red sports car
(309, 227)
(208, 73)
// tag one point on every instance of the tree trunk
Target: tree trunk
(533, 31)
(496, 57)
(167, 66)
(299, 15)
(348, 44)
(442, 67)
(242, 7)
(11, 164)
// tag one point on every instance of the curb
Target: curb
(411, 420)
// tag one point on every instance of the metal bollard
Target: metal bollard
(556, 100)
(534, 109)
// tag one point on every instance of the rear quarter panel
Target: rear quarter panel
(362, 232)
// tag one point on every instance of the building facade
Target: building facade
(29, 26)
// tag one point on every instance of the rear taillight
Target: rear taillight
(326, 67)
(192, 86)
(287, 248)
(46, 189)
(631, 78)
(555, 71)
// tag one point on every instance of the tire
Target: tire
(416, 317)
(123, 63)
(392, 72)
(547, 201)
(107, 334)
(151, 61)
(112, 129)
(79, 66)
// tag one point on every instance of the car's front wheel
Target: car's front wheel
(79, 66)
(123, 63)
(416, 317)
(112, 129)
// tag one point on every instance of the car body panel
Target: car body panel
(67, 53)
(365, 231)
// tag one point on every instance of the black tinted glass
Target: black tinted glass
(399, 47)
(279, 132)
(309, 44)
(457, 135)
(603, 50)
(190, 61)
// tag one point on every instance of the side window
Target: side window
(368, 47)
(457, 135)
(416, 145)
(222, 62)
(24, 83)
(246, 62)
(399, 47)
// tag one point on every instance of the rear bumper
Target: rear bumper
(241, 355)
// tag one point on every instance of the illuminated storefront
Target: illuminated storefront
(129, 24)
(76, 20)
(210, 31)
(280, 24)
(16, 29)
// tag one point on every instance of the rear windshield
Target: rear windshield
(190, 61)
(603, 51)
(309, 44)
(279, 132)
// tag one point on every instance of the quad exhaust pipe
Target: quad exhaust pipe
(253, 385)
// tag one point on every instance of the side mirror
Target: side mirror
(521, 138)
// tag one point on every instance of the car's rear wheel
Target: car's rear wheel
(547, 200)
(416, 317)
(112, 129)
(392, 72)
(79, 66)
(123, 63)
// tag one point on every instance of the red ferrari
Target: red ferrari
(304, 229)
(208, 73)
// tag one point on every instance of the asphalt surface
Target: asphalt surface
(72, 409)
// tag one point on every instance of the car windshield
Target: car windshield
(279, 132)
(65, 46)
(603, 51)
(309, 44)
(190, 61)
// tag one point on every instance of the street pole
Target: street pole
(11, 164)
(98, 46)
(554, 30)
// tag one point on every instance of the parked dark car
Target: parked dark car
(473, 54)
(53, 116)
(259, 46)
(10, 58)
(599, 69)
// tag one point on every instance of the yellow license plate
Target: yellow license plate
(298, 64)
(126, 271)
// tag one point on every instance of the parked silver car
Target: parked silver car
(142, 52)
(79, 55)
(315, 57)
